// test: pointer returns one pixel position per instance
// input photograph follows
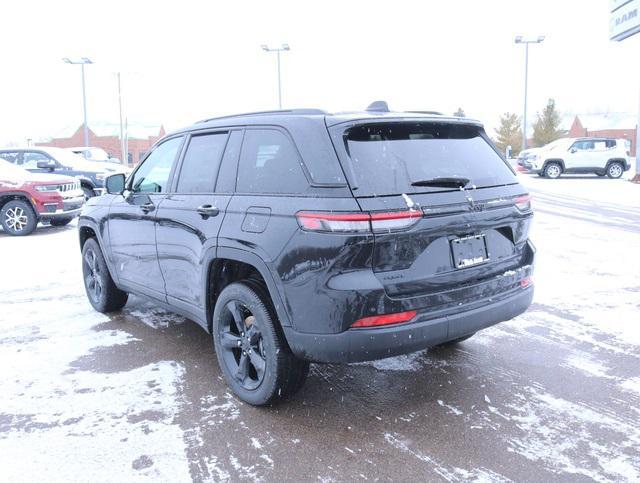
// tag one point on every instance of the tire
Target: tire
(450, 343)
(552, 170)
(615, 170)
(252, 353)
(102, 292)
(88, 192)
(18, 218)
(60, 221)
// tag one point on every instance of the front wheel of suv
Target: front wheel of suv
(251, 351)
(88, 192)
(102, 292)
(552, 170)
(60, 221)
(615, 170)
(18, 218)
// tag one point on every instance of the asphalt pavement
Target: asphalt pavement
(551, 395)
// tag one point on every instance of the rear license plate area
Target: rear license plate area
(469, 251)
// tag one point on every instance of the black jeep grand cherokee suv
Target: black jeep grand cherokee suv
(297, 236)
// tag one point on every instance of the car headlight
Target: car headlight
(46, 187)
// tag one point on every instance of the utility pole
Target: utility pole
(82, 62)
(122, 143)
(277, 50)
(520, 40)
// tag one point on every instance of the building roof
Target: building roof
(102, 129)
(607, 120)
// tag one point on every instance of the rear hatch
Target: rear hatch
(466, 218)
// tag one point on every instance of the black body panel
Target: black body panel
(162, 245)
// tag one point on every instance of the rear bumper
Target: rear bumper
(356, 345)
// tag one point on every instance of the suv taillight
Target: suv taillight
(377, 222)
(523, 203)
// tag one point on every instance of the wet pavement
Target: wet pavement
(551, 395)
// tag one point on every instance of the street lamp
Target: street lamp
(82, 62)
(521, 40)
(277, 50)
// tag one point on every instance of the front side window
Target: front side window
(583, 145)
(201, 163)
(269, 163)
(30, 160)
(153, 175)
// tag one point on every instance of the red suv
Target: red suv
(27, 198)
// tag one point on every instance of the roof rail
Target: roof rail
(425, 112)
(268, 113)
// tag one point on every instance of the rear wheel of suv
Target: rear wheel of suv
(102, 292)
(552, 170)
(615, 170)
(18, 218)
(250, 348)
(60, 221)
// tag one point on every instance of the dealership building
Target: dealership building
(140, 138)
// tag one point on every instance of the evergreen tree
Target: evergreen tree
(509, 133)
(546, 127)
(459, 113)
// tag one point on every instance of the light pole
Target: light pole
(521, 40)
(82, 62)
(277, 50)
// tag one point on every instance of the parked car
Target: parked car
(526, 155)
(27, 198)
(100, 158)
(297, 236)
(602, 156)
(44, 159)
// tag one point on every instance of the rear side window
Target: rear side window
(201, 163)
(269, 163)
(388, 157)
(11, 156)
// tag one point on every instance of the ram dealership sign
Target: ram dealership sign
(624, 19)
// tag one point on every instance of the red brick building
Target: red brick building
(611, 125)
(107, 136)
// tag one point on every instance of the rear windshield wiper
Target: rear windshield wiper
(450, 182)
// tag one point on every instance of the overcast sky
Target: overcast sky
(183, 61)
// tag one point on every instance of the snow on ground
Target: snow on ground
(551, 395)
(60, 419)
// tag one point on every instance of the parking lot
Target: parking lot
(553, 394)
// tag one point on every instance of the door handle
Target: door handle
(147, 207)
(207, 210)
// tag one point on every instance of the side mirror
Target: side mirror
(574, 150)
(115, 184)
(49, 164)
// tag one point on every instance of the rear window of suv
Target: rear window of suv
(388, 157)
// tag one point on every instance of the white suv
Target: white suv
(602, 156)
